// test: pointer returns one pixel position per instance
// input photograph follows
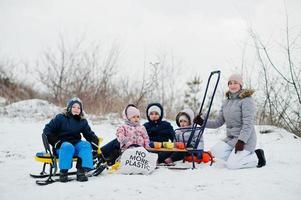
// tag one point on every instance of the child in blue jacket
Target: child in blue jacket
(64, 134)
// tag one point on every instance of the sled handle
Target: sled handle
(216, 72)
(210, 104)
(48, 150)
(46, 144)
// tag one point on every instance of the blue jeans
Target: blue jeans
(82, 149)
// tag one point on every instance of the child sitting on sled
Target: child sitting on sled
(64, 134)
(184, 120)
(130, 134)
(158, 130)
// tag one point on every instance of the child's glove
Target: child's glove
(198, 120)
(94, 141)
(151, 144)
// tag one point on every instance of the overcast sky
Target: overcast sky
(203, 35)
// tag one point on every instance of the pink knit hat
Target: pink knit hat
(130, 111)
(236, 77)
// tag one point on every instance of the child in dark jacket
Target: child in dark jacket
(64, 134)
(158, 130)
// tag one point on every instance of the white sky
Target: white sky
(202, 35)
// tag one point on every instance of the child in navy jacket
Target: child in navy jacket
(64, 134)
(158, 130)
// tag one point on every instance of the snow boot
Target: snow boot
(261, 158)
(81, 176)
(64, 176)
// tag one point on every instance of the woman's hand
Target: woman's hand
(198, 120)
(239, 146)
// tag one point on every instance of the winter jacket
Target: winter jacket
(238, 112)
(180, 133)
(128, 135)
(65, 128)
(159, 131)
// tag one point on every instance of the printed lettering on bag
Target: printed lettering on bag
(138, 160)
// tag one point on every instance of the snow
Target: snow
(20, 139)
(2, 101)
(32, 108)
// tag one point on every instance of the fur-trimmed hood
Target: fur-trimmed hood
(159, 106)
(188, 112)
(242, 93)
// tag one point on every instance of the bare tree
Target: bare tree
(165, 71)
(157, 84)
(81, 71)
(135, 92)
(54, 70)
(147, 85)
(281, 83)
(12, 88)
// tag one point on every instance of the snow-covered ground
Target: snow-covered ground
(29, 109)
(279, 179)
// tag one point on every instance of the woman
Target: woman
(238, 113)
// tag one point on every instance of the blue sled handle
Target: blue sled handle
(215, 72)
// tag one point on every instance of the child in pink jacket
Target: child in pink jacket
(130, 134)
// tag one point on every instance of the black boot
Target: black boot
(261, 158)
(81, 176)
(64, 176)
(99, 169)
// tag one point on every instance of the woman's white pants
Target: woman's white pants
(238, 160)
